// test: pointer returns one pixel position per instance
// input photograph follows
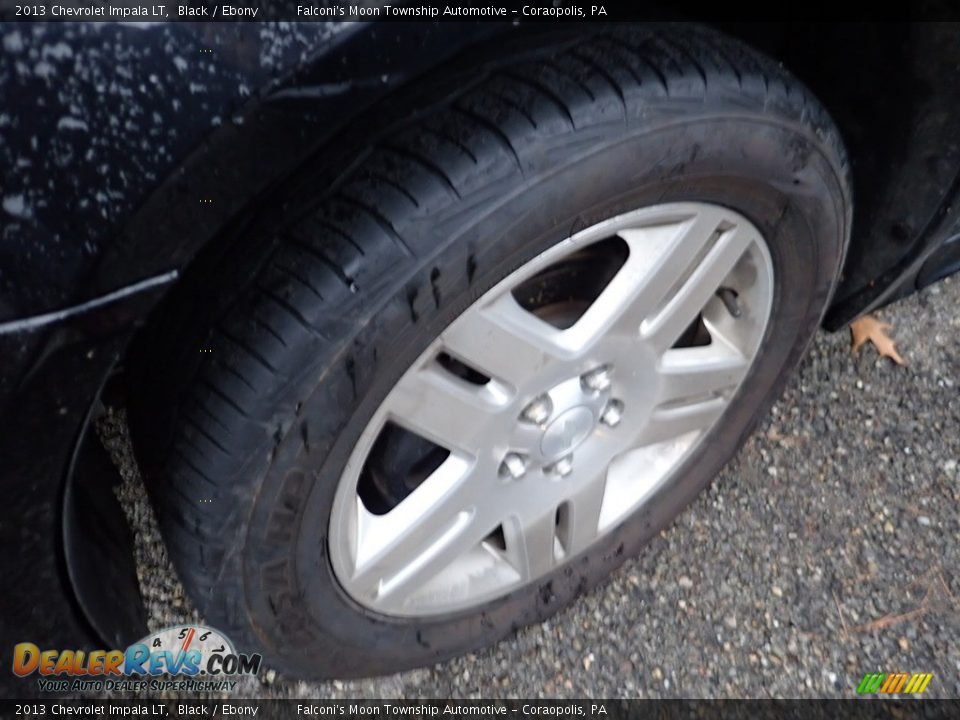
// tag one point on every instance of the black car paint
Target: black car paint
(101, 213)
(280, 92)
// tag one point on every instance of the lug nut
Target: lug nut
(514, 465)
(597, 380)
(538, 411)
(612, 413)
(562, 467)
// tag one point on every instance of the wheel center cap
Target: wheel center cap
(567, 431)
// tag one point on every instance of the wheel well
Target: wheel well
(890, 88)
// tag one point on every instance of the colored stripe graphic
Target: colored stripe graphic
(922, 680)
(914, 683)
(899, 680)
(870, 683)
(894, 683)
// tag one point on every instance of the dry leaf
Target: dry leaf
(870, 328)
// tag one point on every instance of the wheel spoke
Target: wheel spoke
(399, 551)
(659, 257)
(579, 528)
(681, 305)
(699, 373)
(638, 286)
(442, 408)
(671, 421)
(530, 544)
(504, 341)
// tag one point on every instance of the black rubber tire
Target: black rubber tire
(243, 452)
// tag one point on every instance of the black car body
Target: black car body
(128, 151)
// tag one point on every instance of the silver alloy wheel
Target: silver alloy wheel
(572, 429)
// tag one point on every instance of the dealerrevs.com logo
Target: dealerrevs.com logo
(182, 658)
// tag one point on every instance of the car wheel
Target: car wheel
(510, 343)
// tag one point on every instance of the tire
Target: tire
(244, 465)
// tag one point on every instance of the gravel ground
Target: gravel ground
(828, 548)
